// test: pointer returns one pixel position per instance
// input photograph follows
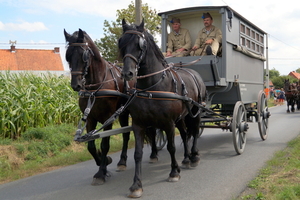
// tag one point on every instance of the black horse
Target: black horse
(291, 95)
(101, 89)
(164, 97)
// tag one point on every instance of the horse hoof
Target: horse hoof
(195, 164)
(121, 168)
(174, 179)
(153, 160)
(185, 165)
(136, 194)
(98, 181)
(195, 161)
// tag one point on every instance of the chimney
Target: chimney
(12, 47)
(56, 50)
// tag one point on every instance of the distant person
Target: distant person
(281, 97)
(179, 40)
(209, 38)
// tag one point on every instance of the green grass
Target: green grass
(44, 149)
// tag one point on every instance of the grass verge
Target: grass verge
(279, 179)
(45, 149)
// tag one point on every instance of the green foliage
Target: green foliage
(278, 81)
(28, 100)
(273, 73)
(112, 32)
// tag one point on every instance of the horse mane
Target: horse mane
(152, 45)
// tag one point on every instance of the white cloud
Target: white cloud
(23, 26)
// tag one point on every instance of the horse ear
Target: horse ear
(80, 36)
(141, 26)
(67, 35)
(124, 25)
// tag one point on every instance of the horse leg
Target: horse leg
(288, 105)
(91, 125)
(151, 132)
(193, 125)
(121, 166)
(136, 190)
(101, 176)
(174, 175)
(183, 134)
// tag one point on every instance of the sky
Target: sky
(39, 24)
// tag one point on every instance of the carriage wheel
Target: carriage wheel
(160, 139)
(239, 127)
(263, 115)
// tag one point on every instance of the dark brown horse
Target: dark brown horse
(291, 95)
(164, 97)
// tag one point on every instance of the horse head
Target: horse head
(80, 52)
(287, 85)
(132, 47)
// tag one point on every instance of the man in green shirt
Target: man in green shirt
(209, 38)
(179, 40)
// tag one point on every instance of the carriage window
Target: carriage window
(253, 46)
(257, 37)
(242, 28)
(251, 39)
(261, 39)
(248, 31)
(243, 41)
(248, 44)
(253, 34)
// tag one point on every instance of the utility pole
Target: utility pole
(138, 12)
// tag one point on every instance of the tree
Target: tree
(298, 70)
(112, 32)
(278, 82)
(273, 73)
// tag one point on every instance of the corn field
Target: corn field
(28, 100)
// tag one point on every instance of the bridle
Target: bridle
(87, 52)
(142, 45)
(85, 58)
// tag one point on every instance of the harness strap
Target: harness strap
(101, 93)
(82, 123)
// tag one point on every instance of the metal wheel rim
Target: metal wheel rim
(239, 137)
(263, 119)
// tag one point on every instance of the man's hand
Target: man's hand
(195, 48)
(209, 41)
(180, 50)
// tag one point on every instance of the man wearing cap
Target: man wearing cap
(209, 38)
(179, 40)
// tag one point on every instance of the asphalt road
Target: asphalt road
(221, 174)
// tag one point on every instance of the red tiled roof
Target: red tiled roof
(295, 75)
(30, 59)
